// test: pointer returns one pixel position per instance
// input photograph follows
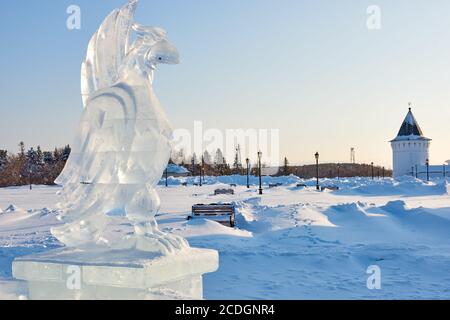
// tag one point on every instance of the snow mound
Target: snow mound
(348, 213)
(251, 215)
(257, 218)
(419, 220)
(404, 186)
(245, 210)
(396, 207)
(204, 227)
(394, 222)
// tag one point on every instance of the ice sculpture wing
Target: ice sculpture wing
(105, 135)
(106, 51)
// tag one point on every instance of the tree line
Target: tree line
(334, 170)
(32, 166)
(207, 164)
(217, 165)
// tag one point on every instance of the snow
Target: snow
(291, 243)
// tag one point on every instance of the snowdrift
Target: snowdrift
(405, 186)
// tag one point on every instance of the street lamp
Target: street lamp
(428, 169)
(248, 172)
(259, 172)
(201, 170)
(317, 171)
(383, 173)
(193, 168)
(167, 177)
(338, 173)
(373, 177)
(29, 177)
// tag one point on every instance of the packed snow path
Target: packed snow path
(291, 243)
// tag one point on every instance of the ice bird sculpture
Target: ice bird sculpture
(123, 142)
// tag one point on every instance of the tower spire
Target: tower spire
(410, 126)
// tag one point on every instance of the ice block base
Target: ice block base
(66, 274)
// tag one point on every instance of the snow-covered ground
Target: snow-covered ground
(291, 243)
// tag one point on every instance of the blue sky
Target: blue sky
(310, 68)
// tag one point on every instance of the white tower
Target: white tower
(410, 148)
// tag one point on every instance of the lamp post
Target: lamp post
(167, 177)
(317, 171)
(373, 176)
(259, 172)
(29, 178)
(247, 161)
(203, 168)
(193, 168)
(428, 169)
(417, 172)
(201, 171)
(383, 173)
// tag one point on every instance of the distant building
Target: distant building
(174, 170)
(410, 148)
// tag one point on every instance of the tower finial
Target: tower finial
(409, 104)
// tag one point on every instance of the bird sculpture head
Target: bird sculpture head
(151, 48)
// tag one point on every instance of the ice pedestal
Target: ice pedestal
(84, 274)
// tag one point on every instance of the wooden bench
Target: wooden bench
(223, 191)
(301, 185)
(275, 185)
(222, 213)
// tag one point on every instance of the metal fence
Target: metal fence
(427, 172)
